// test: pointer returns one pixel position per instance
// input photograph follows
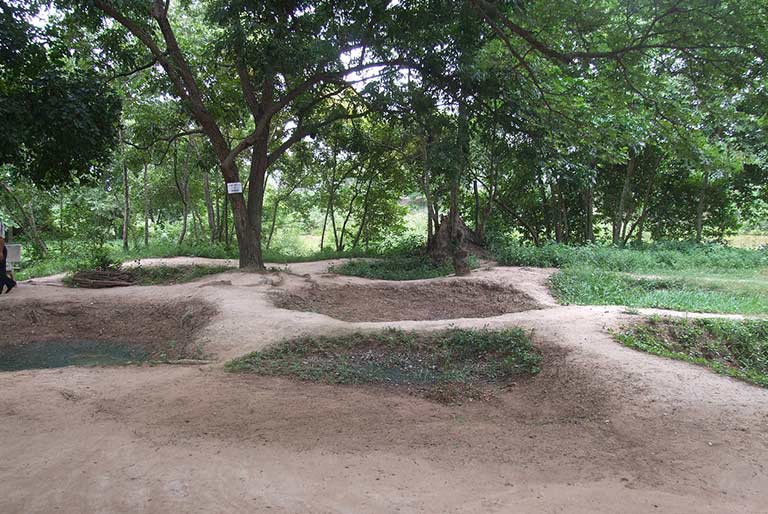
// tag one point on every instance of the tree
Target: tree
(302, 87)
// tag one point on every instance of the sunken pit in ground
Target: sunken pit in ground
(409, 301)
(50, 335)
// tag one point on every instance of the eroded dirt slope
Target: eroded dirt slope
(603, 429)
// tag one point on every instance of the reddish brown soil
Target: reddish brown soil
(408, 301)
(603, 429)
(143, 323)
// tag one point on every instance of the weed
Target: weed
(422, 362)
(737, 348)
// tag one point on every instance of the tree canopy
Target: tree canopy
(544, 120)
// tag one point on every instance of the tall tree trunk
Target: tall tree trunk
(340, 244)
(589, 207)
(426, 187)
(700, 206)
(274, 220)
(209, 206)
(225, 218)
(545, 201)
(325, 226)
(146, 206)
(556, 205)
(126, 192)
(364, 219)
(183, 189)
(476, 212)
(618, 219)
(458, 245)
(256, 185)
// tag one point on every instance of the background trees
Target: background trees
(617, 122)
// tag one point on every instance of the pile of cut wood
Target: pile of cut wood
(99, 279)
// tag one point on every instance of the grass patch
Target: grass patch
(650, 258)
(166, 275)
(678, 275)
(731, 347)
(589, 286)
(447, 366)
(157, 275)
(398, 268)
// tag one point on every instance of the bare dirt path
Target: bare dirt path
(603, 429)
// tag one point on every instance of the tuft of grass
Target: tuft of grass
(424, 363)
(398, 268)
(737, 348)
(588, 286)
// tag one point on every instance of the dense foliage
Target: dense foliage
(353, 123)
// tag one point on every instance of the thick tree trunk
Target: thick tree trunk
(256, 185)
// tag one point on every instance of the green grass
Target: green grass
(423, 362)
(731, 347)
(397, 268)
(165, 275)
(77, 256)
(586, 286)
(651, 258)
(679, 276)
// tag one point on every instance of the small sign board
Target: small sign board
(234, 187)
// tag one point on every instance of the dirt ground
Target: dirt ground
(602, 429)
(413, 300)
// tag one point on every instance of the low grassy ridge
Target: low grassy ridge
(398, 268)
(166, 275)
(680, 276)
(163, 275)
(731, 347)
(446, 366)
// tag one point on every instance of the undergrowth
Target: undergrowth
(588, 286)
(680, 276)
(737, 348)
(165, 275)
(649, 258)
(398, 268)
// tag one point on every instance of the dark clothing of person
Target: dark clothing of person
(5, 280)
